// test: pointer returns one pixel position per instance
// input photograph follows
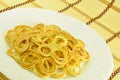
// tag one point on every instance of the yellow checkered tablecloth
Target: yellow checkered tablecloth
(106, 26)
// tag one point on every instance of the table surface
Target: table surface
(106, 26)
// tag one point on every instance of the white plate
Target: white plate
(100, 65)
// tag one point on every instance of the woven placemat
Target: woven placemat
(70, 5)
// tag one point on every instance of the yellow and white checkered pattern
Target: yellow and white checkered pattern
(106, 26)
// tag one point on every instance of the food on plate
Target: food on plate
(46, 50)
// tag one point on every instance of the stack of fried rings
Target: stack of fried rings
(46, 50)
